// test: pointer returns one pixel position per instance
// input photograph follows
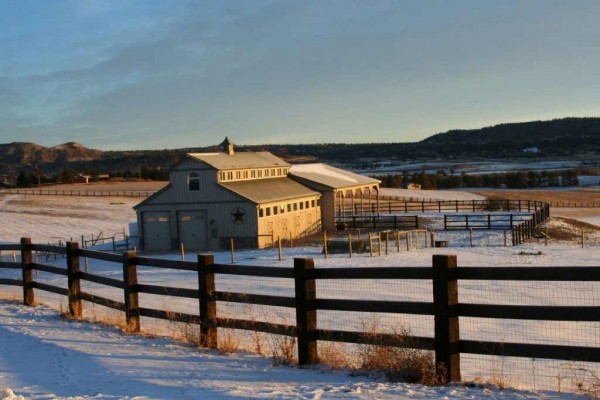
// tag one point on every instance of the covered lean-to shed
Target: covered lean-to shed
(214, 197)
(345, 194)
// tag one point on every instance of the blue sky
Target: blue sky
(119, 74)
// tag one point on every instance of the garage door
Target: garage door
(192, 229)
(156, 227)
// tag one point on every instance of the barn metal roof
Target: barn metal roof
(224, 161)
(267, 190)
(328, 176)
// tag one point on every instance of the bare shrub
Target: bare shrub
(402, 364)
(585, 381)
(283, 349)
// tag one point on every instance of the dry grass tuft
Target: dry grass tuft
(228, 342)
(333, 354)
(283, 349)
(398, 364)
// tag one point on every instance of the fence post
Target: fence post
(306, 314)
(208, 304)
(445, 297)
(27, 270)
(74, 287)
(132, 306)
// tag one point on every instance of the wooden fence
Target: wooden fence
(574, 204)
(395, 222)
(398, 205)
(445, 308)
(85, 193)
(483, 221)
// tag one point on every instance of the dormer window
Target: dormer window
(193, 182)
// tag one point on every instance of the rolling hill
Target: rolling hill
(574, 138)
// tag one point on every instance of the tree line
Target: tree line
(511, 180)
(66, 175)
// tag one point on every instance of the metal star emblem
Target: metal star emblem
(238, 215)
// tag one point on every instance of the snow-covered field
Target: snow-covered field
(45, 357)
(469, 167)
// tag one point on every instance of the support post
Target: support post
(132, 305)
(350, 244)
(207, 302)
(279, 247)
(27, 271)
(74, 286)
(306, 314)
(445, 297)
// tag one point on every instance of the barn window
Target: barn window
(268, 209)
(312, 203)
(193, 182)
(289, 207)
(260, 213)
(275, 210)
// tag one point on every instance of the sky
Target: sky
(150, 74)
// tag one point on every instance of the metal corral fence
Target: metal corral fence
(85, 193)
(443, 337)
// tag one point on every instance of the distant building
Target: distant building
(251, 197)
(413, 186)
(79, 178)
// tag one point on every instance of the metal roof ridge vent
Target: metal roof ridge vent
(227, 146)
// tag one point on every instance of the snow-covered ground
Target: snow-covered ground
(468, 167)
(430, 194)
(45, 357)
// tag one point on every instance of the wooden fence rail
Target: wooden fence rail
(85, 193)
(446, 309)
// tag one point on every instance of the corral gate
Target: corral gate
(192, 229)
(156, 230)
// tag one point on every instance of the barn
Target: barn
(253, 198)
(212, 198)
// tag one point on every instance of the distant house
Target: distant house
(251, 197)
(79, 178)
(7, 181)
